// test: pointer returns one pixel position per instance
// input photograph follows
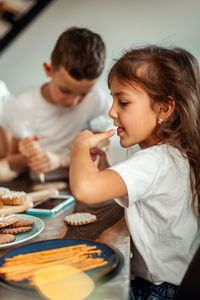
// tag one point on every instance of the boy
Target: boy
(49, 118)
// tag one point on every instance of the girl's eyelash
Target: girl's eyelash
(123, 103)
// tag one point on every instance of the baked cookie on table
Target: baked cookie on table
(14, 198)
(6, 238)
(1, 203)
(10, 225)
(6, 221)
(16, 230)
(3, 191)
(80, 219)
(21, 223)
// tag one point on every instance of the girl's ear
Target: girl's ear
(165, 109)
(48, 69)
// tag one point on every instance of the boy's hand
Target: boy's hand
(45, 161)
(90, 139)
(29, 146)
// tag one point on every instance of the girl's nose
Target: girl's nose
(112, 112)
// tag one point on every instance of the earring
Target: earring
(160, 121)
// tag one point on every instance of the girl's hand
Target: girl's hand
(29, 146)
(102, 163)
(45, 161)
(90, 139)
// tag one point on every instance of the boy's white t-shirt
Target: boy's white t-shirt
(159, 213)
(30, 114)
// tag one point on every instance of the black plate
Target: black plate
(112, 256)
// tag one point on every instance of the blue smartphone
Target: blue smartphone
(50, 205)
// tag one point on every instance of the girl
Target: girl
(156, 103)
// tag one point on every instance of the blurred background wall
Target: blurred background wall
(122, 25)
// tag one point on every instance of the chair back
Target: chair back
(190, 285)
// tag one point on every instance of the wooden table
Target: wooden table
(110, 228)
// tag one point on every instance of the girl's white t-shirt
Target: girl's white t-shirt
(159, 213)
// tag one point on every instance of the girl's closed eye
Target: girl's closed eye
(123, 102)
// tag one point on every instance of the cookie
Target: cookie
(6, 238)
(15, 230)
(14, 198)
(21, 223)
(6, 221)
(80, 219)
(58, 185)
(3, 190)
(1, 203)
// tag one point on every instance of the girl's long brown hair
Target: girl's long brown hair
(169, 73)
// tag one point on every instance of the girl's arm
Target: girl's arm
(88, 184)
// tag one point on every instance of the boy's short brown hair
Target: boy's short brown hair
(81, 52)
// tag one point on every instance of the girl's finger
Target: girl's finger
(103, 136)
